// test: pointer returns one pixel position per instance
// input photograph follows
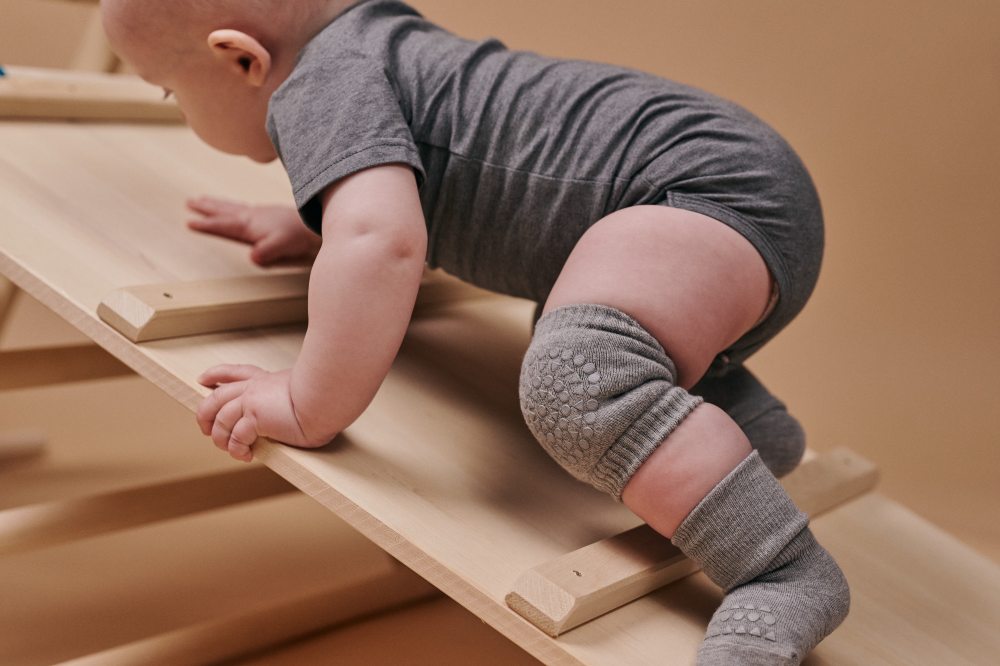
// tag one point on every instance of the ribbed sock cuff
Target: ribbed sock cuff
(742, 525)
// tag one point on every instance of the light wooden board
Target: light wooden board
(440, 471)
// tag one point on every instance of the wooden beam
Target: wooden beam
(564, 593)
(94, 53)
(52, 523)
(25, 368)
(169, 310)
(20, 446)
(30, 92)
(238, 635)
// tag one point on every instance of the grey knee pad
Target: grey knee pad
(598, 391)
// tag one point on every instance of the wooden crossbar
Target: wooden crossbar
(16, 447)
(52, 523)
(169, 310)
(25, 368)
(564, 593)
(253, 630)
(32, 92)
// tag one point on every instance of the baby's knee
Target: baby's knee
(599, 393)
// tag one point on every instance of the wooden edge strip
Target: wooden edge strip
(253, 631)
(32, 92)
(564, 593)
(48, 524)
(25, 368)
(8, 295)
(168, 310)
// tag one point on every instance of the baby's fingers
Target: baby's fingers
(225, 421)
(242, 439)
(233, 227)
(228, 372)
(210, 406)
(215, 206)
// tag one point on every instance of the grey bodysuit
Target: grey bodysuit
(517, 154)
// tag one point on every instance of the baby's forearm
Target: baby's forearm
(361, 295)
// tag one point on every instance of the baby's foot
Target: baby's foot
(774, 433)
(784, 591)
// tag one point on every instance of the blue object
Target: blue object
(3, 73)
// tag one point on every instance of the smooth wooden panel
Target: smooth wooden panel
(24, 368)
(40, 525)
(29, 92)
(577, 587)
(440, 471)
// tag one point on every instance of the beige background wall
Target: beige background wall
(893, 105)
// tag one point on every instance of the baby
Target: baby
(665, 233)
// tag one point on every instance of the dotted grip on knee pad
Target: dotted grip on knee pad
(560, 402)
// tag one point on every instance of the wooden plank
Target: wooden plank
(244, 633)
(31, 92)
(94, 52)
(16, 446)
(42, 525)
(563, 593)
(177, 309)
(25, 368)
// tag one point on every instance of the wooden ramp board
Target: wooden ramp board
(32, 92)
(440, 471)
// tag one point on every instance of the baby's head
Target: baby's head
(221, 58)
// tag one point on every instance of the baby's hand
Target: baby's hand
(276, 233)
(249, 402)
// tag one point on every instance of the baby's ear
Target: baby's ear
(245, 55)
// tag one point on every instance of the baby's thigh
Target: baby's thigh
(693, 282)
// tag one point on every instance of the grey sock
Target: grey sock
(784, 591)
(772, 431)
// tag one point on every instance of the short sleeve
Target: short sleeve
(334, 117)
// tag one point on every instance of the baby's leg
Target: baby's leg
(774, 434)
(646, 300)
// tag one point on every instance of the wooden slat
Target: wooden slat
(177, 309)
(42, 525)
(94, 53)
(16, 446)
(30, 92)
(169, 310)
(566, 592)
(259, 628)
(25, 368)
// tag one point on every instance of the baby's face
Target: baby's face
(220, 107)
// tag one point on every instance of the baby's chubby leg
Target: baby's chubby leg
(646, 300)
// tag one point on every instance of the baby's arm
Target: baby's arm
(362, 289)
